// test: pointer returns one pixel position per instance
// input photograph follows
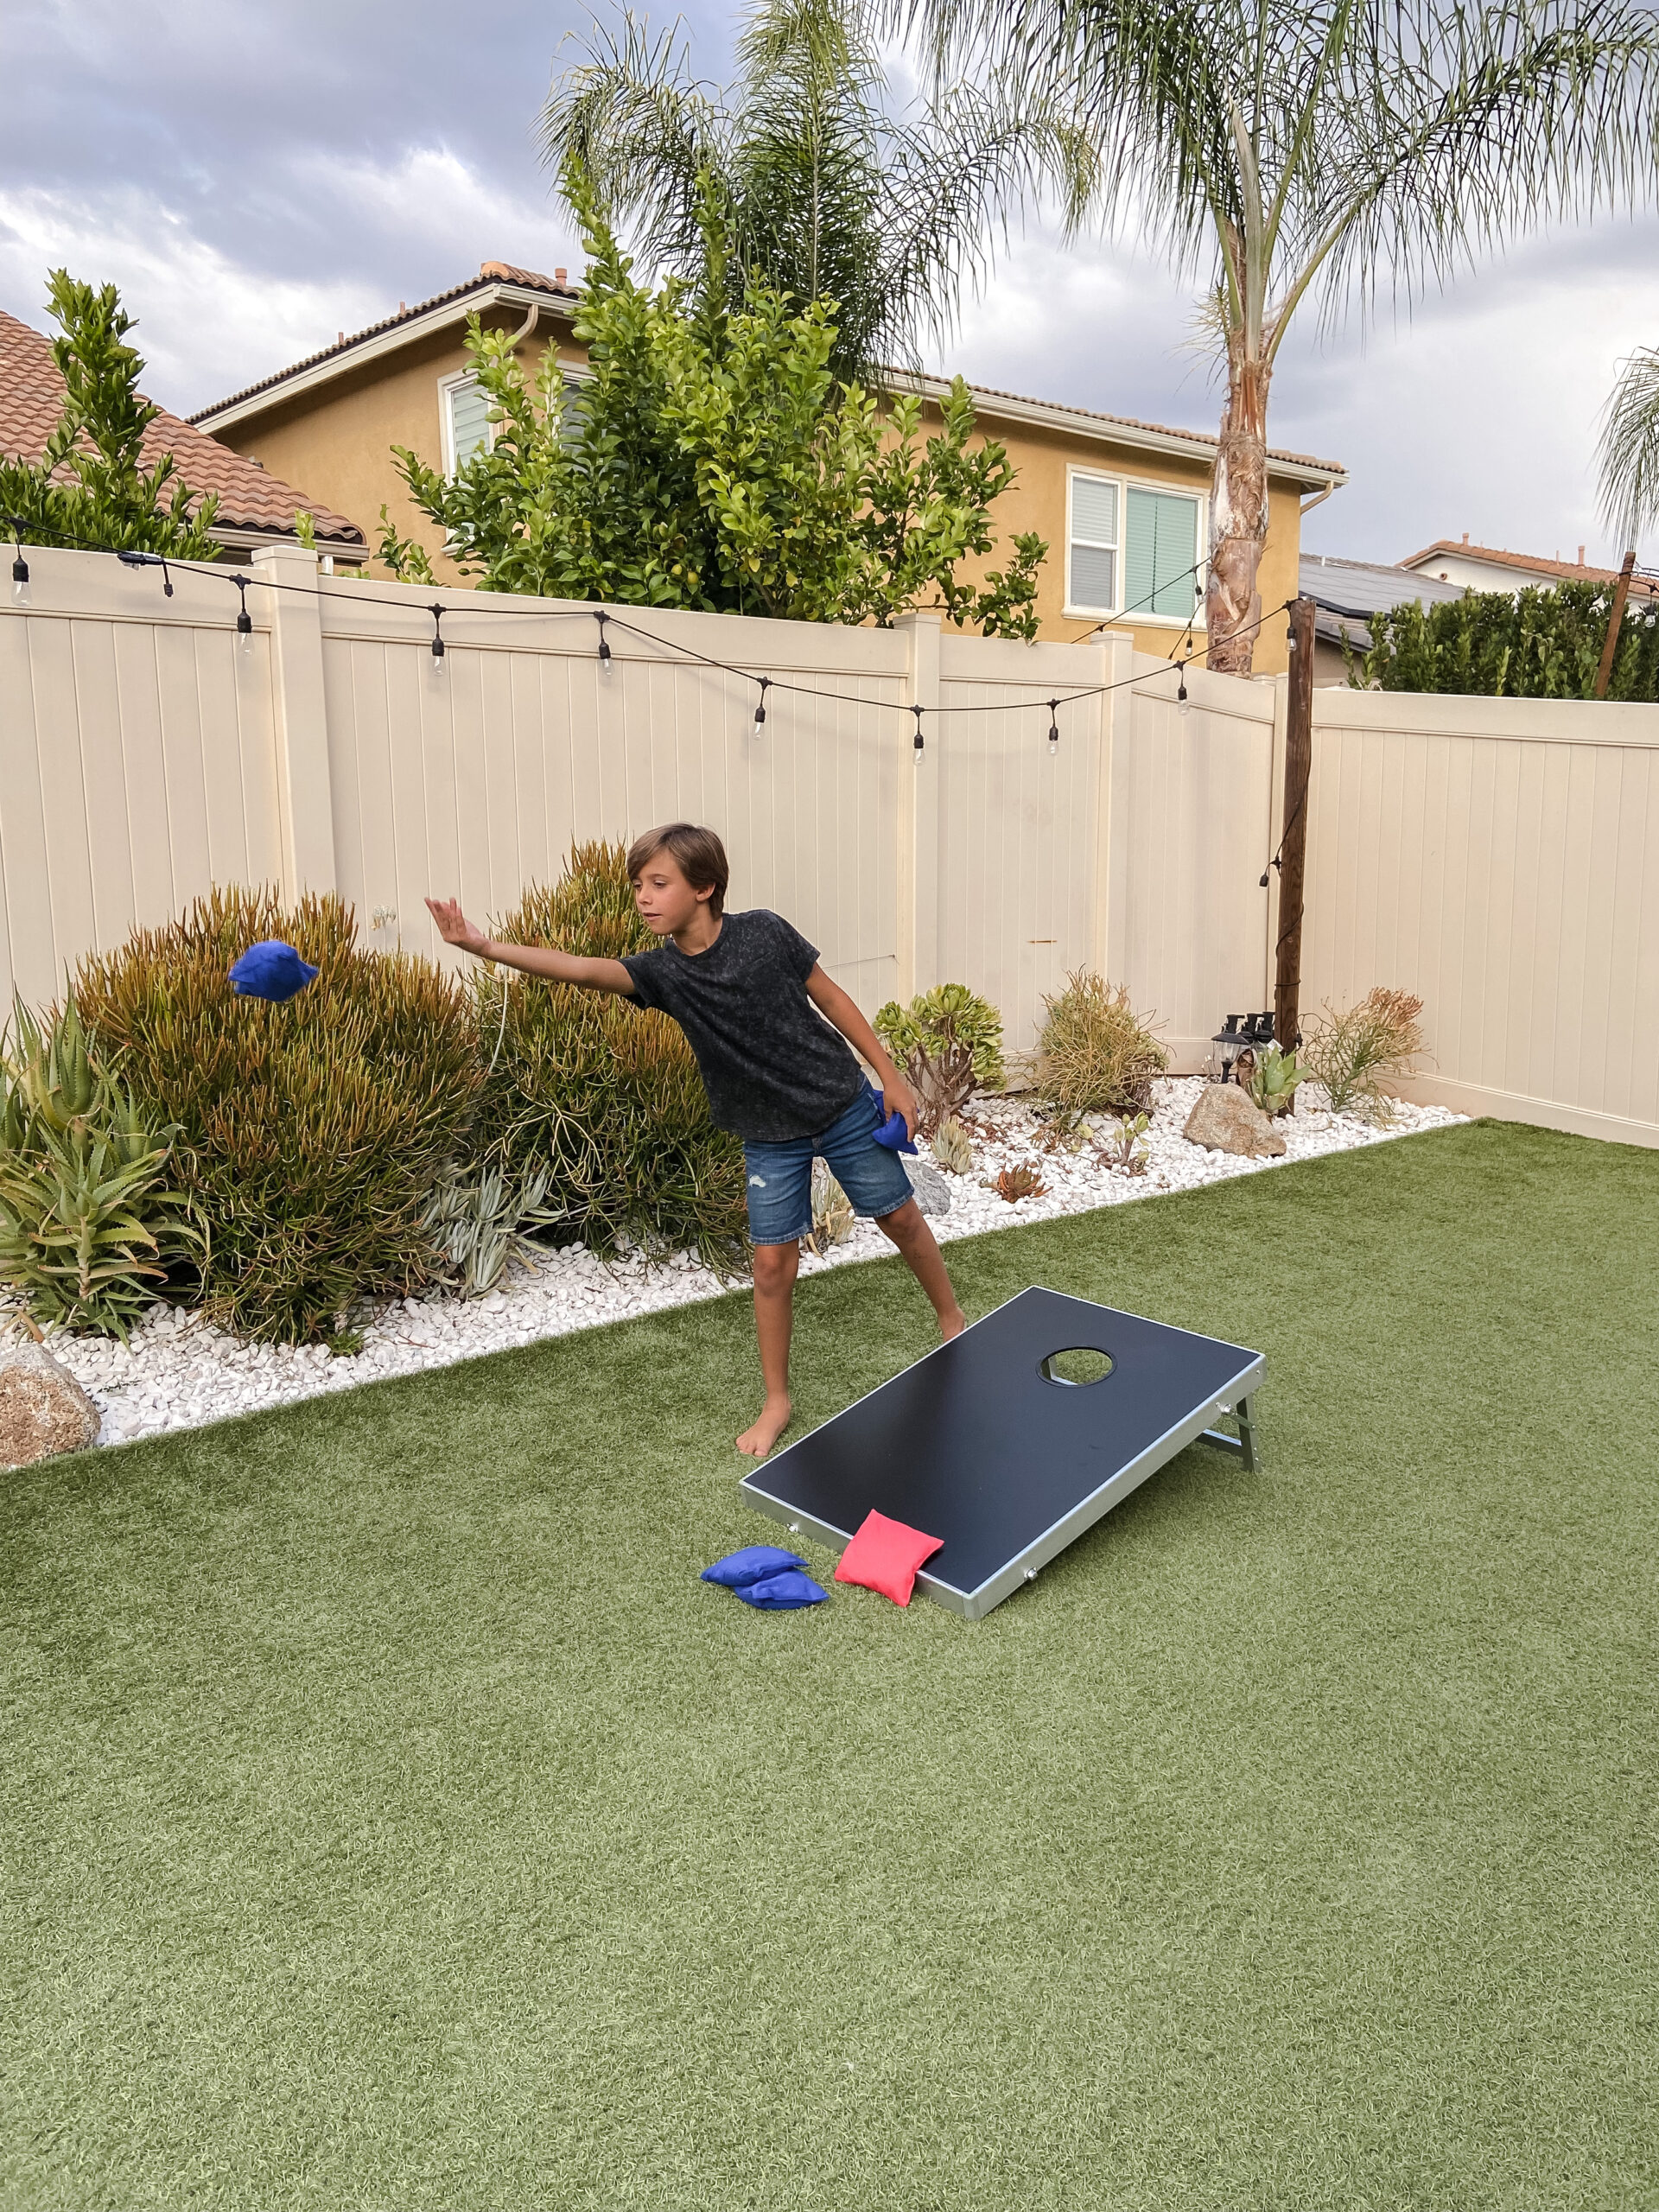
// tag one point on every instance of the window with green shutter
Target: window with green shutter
(1160, 553)
(469, 421)
(1091, 576)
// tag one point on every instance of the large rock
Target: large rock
(43, 1409)
(932, 1191)
(1227, 1119)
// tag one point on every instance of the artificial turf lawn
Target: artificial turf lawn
(392, 1819)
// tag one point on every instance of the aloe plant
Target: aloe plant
(87, 1227)
(477, 1222)
(1274, 1083)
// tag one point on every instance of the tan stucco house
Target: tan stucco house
(1124, 505)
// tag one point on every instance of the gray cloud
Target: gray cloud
(256, 177)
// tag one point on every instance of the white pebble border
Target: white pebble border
(178, 1372)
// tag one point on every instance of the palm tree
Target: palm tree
(827, 194)
(1327, 150)
(1629, 451)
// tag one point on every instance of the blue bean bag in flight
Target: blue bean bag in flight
(271, 970)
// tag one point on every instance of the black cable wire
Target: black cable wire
(681, 656)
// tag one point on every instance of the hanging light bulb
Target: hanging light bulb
(604, 642)
(437, 613)
(916, 749)
(1181, 701)
(1053, 730)
(760, 704)
(19, 568)
(244, 619)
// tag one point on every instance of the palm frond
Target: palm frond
(1627, 455)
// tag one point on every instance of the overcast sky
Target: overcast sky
(255, 178)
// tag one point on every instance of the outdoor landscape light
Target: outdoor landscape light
(1229, 1040)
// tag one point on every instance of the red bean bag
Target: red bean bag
(884, 1555)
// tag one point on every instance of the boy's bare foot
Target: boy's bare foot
(953, 1323)
(758, 1439)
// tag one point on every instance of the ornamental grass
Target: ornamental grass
(310, 1135)
(1095, 1054)
(602, 1094)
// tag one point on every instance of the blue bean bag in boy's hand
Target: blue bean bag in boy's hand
(892, 1132)
(782, 1594)
(271, 970)
(752, 1564)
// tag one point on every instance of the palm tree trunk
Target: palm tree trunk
(1238, 518)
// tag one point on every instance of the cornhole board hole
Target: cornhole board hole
(1001, 1443)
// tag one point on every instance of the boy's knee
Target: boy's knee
(775, 1265)
(902, 1222)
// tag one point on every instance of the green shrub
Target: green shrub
(950, 1014)
(1096, 1055)
(87, 1228)
(311, 1136)
(1535, 644)
(603, 1095)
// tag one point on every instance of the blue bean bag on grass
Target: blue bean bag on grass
(738, 1569)
(762, 1575)
(782, 1594)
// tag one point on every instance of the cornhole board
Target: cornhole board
(981, 1444)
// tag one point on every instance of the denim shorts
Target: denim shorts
(780, 1175)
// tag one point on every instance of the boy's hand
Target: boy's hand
(897, 1097)
(454, 926)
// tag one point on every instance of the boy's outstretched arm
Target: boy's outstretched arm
(535, 959)
(835, 1007)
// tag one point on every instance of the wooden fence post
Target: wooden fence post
(1615, 622)
(1293, 841)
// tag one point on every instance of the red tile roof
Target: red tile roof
(1529, 564)
(31, 403)
(489, 272)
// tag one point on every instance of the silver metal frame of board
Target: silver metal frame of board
(974, 1604)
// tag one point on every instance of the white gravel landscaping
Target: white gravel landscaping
(180, 1373)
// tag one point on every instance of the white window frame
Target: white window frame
(1071, 612)
(574, 372)
(447, 387)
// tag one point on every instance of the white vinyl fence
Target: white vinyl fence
(1501, 857)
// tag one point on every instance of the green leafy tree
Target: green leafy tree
(1537, 644)
(827, 193)
(89, 485)
(1299, 150)
(711, 458)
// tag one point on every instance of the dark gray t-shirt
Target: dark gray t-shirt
(773, 1067)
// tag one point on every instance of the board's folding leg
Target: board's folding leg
(1245, 1443)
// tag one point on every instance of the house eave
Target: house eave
(1109, 430)
(340, 360)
